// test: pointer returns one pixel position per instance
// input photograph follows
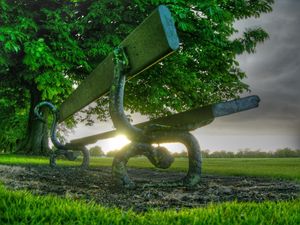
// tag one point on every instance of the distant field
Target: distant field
(287, 168)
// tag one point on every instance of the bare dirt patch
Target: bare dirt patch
(154, 188)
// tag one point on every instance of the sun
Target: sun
(118, 142)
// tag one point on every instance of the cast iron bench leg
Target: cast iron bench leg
(71, 152)
(142, 139)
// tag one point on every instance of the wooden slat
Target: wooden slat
(154, 39)
(234, 106)
(201, 116)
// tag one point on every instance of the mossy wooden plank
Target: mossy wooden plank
(191, 119)
(154, 39)
(202, 116)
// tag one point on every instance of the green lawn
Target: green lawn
(287, 168)
(21, 207)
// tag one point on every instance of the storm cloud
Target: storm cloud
(273, 75)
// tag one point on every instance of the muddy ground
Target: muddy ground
(154, 188)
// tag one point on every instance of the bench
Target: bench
(173, 128)
(154, 39)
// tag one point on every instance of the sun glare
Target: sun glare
(118, 142)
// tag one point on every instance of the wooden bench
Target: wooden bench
(180, 123)
(154, 39)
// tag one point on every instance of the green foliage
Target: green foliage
(286, 152)
(112, 153)
(205, 71)
(247, 153)
(96, 151)
(37, 52)
(53, 45)
(21, 207)
(39, 48)
(180, 154)
(10, 133)
(12, 118)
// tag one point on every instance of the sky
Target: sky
(273, 73)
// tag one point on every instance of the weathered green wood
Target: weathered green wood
(191, 116)
(196, 118)
(154, 39)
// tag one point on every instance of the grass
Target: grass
(21, 207)
(285, 168)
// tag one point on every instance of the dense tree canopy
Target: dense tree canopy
(48, 47)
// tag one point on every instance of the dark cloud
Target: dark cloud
(274, 70)
(273, 74)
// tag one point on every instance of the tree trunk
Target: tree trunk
(36, 140)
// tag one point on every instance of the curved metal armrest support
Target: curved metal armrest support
(142, 139)
(61, 148)
(116, 108)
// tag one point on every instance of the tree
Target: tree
(112, 153)
(182, 154)
(47, 47)
(96, 151)
(286, 152)
(38, 60)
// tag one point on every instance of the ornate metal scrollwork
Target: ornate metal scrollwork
(71, 152)
(142, 139)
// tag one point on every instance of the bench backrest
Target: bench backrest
(154, 39)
